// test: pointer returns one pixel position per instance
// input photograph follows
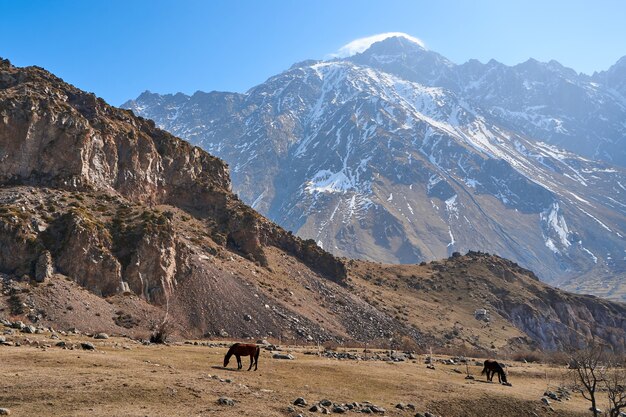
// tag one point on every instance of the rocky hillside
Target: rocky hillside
(399, 155)
(110, 224)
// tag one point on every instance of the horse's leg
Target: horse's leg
(239, 365)
(499, 378)
(256, 359)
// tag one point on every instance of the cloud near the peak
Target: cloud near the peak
(361, 44)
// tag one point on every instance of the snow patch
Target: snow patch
(594, 257)
(554, 220)
(326, 181)
(451, 206)
(256, 202)
(452, 241)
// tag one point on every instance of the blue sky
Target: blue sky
(117, 49)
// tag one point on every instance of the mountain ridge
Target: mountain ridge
(117, 241)
(299, 144)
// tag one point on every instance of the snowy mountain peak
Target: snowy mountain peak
(362, 44)
(398, 155)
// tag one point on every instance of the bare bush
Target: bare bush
(595, 371)
(161, 331)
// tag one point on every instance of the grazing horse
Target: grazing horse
(239, 350)
(492, 367)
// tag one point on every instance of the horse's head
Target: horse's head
(226, 359)
(504, 380)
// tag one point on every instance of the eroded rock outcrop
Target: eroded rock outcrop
(81, 248)
(54, 135)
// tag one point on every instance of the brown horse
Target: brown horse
(239, 350)
(492, 367)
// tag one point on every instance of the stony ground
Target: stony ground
(124, 377)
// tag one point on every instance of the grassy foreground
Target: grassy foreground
(124, 378)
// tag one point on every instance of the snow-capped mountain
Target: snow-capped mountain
(398, 155)
(545, 101)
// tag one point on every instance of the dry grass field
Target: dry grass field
(124, 378)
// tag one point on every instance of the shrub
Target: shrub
(161, 332)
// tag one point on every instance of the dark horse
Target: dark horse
(239, 350)
(492, 367)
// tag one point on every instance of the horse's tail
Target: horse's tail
(485, 367)
(256, 354)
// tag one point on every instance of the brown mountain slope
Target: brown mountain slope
(146, 225)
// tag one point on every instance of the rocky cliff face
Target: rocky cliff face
(55, 135)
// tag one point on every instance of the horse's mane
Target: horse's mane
(231, 350)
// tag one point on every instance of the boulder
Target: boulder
(287, 356)
(29, 329)
(300, 402)
(18, 325)
(226, 401)
(87, 346)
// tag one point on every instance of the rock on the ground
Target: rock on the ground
(87, 346)
(226, 401)
(288, 356)
(300, 402)
(101, 336)
(29, 329)
(5, 412)
(18, 325)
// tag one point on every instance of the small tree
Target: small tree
(595, 370)
(586, 373)
(614, 383)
